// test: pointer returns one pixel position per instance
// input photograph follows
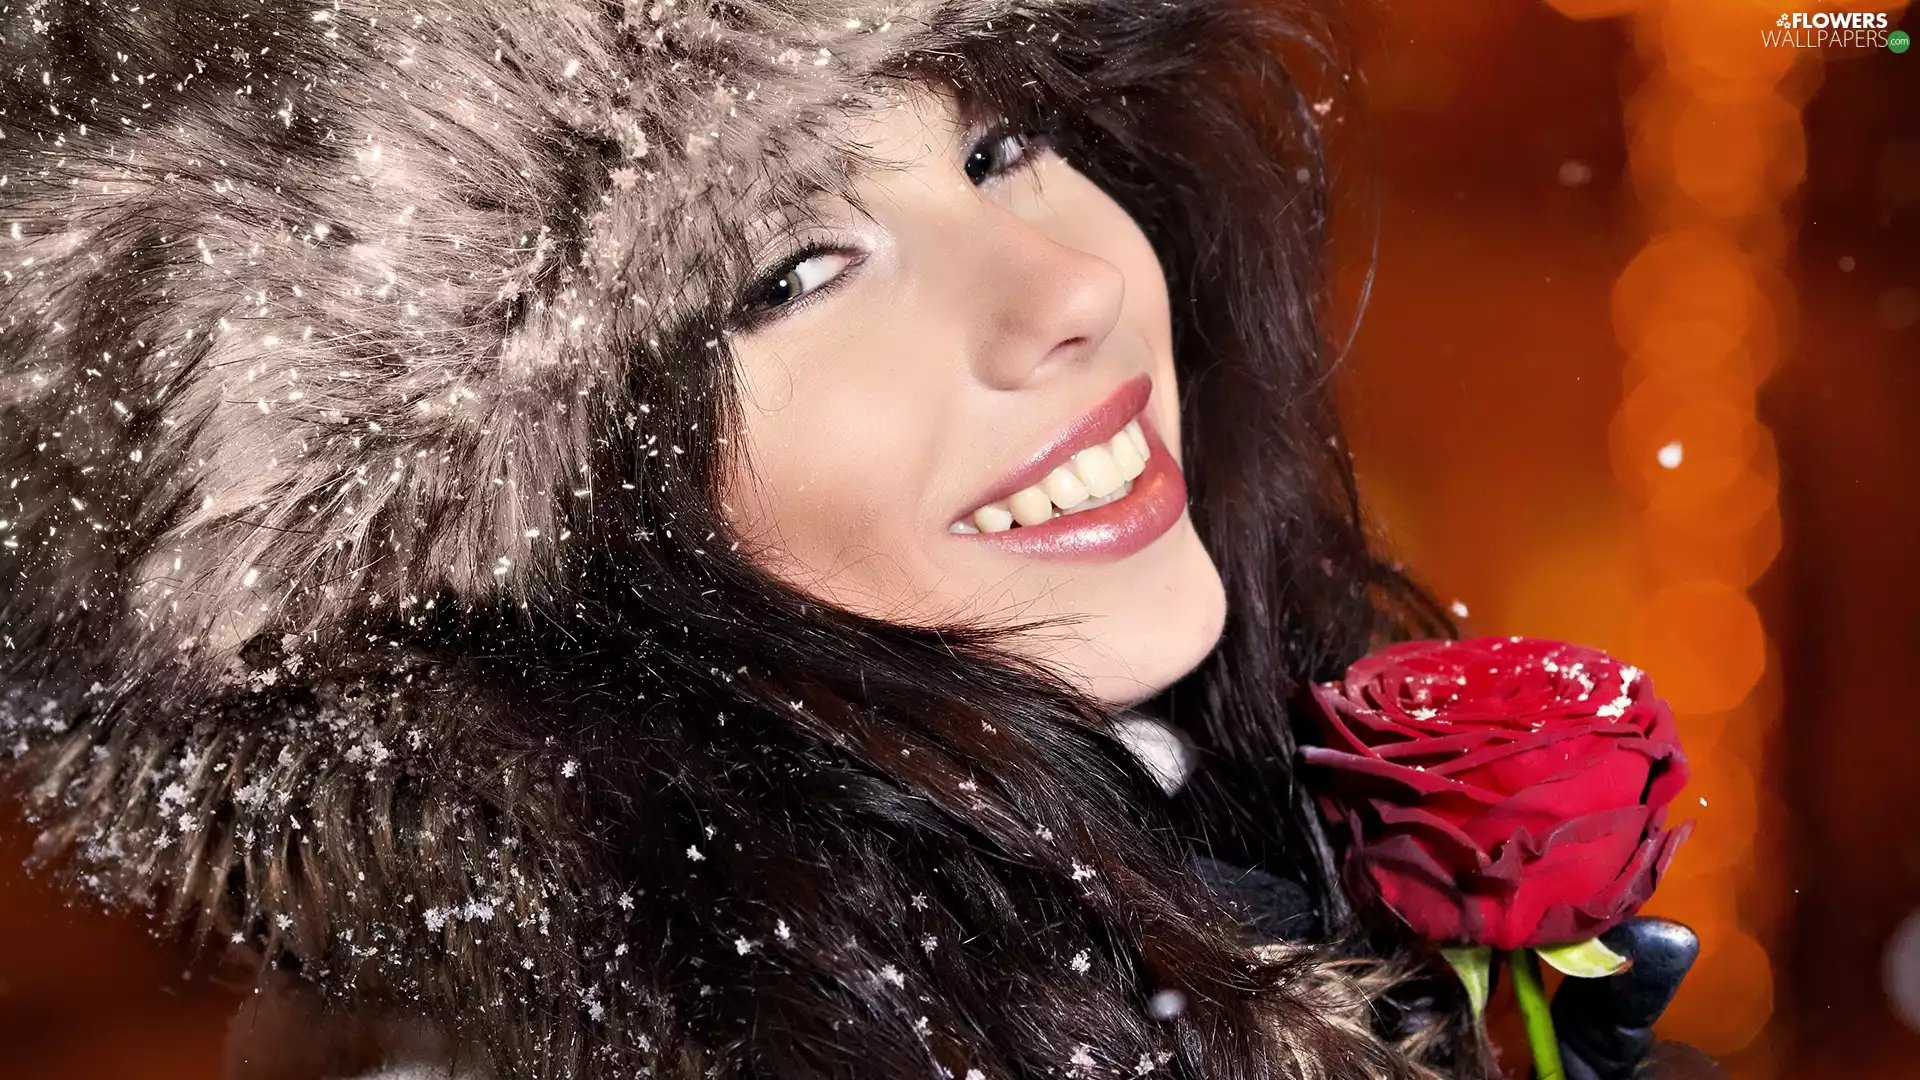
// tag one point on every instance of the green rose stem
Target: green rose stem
(1539, 1019)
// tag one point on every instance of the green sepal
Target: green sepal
(1474, 964)
(1585, 960)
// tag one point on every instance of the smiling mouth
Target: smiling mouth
(1094, 477)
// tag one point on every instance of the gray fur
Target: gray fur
(428, 326)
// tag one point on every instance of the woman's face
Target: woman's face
(959, 407)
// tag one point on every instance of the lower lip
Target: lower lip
(1113, 531)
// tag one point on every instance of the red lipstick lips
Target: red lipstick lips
(1120, 528)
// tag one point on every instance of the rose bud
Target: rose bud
(1508, 792)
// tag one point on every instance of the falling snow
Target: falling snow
(1166, 1004)
(340, 359)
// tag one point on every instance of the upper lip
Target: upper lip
(1102, 423)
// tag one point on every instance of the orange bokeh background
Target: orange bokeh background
(1640, 368)
(1636, 268)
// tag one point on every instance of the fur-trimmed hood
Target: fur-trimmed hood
(325, 333)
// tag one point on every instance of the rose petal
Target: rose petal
(1558, 777)
(1417, 888)
(1583, 861)
(1417, 780)
(1573, 735)
(1569, 921)
(1451, 747)
(1451, 839)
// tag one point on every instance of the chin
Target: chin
(1158, 634)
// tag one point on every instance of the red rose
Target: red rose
(1509, 792)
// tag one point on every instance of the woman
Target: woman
(607, 541)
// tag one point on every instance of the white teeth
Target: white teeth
(1097, 470)
(1094, 477)
(1126, 457)
(993, 518)
(1030, 506)
(1115, 496)
(1064, 488)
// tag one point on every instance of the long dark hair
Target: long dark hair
(729, 827)
(984, 781)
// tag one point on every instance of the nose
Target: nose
(1047, 302)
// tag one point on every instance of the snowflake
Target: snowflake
(1166, 1004)
(693, 853)
(1081, 962)
(892, 975)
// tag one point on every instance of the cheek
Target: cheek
(1148, 309)
(829, 491)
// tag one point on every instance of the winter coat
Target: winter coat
(288, 1033)
(317, 337)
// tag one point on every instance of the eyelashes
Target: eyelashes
(777, 292)
(772, 294)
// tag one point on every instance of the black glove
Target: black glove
(1606, 1025)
